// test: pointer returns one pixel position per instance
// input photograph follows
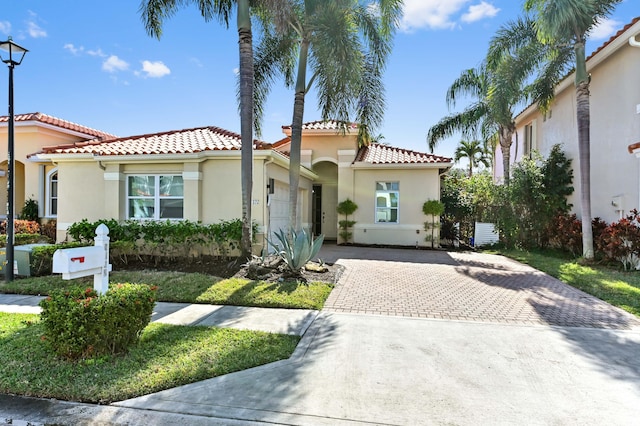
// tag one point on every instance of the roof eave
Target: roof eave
(367, 165)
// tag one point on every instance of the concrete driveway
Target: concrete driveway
(419, 337)
(413, 337)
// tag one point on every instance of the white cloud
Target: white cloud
(435, 14)
(73, 49)
(480, 11)
(5, 27)
(35, 31)
(97, 52)
(605, 29)
(113, 64)
(155, 69)
(236, 71)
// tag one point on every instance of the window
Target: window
(52, 193)
(155, 197)
(387, 197)
(528, 140)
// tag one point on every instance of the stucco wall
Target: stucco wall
(416, 186)
(615, 124)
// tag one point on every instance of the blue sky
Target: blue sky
(93, 63)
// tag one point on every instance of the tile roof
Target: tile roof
(613, 37)
(384, 154)
(326, 125)
(63, 124)
(187, 141)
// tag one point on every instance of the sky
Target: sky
(93, 63)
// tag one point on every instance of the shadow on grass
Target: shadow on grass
(253, 394)
(166, 356)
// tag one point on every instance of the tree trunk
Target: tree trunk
(584, 148)
(246, 123)
(296, 134)
(506, 135)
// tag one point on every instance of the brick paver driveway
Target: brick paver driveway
(461, 286)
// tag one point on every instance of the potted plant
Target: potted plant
(346, 207)
(432, 208)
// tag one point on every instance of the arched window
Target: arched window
(52, 193)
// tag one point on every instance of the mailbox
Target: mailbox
(79, 262)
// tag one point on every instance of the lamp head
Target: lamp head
(11, 53)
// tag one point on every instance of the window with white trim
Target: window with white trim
(528, 140)
(155, 197)
(387, 202)
(52, 193)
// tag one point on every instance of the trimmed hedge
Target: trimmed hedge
(81, 324)
(178, 239)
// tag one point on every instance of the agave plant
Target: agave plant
(298, 249)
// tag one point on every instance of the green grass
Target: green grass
(195, 288)
(166, 356)
(621, 289)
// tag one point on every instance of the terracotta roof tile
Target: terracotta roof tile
(613, 37)
(326, 125)
(63, 124)
(633, 147)
(384, 154)
(186, 141)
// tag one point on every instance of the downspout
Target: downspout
(633, 41)
(267, 210)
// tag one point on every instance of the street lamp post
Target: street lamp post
(13, 56)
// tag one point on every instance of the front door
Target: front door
(325, 217)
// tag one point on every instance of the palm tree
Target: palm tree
(344, 44)
(485, 115)
(154, 12)
(499, 86)
(474, 151)
(568, 22)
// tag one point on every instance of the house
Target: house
(615, 128)
(194, 174)
(35, 179)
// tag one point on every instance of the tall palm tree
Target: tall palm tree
(474, 151)
(154, 12)
(569, 22)
(518, 69)
(488, 115)
(344, 44)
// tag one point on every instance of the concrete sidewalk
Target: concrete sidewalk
(282, 321)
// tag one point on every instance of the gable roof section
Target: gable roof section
(39, 117)
(384, 154)
(187, 141)
(615, 36)
(593, 59)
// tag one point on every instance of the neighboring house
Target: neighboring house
(33, 179)
(615, 128)
(194, 174)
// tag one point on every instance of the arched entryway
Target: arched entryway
(325, 199)
(18, 188)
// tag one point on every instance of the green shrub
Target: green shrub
(81, 324)
(21, 239)
(164, 239)
(30, 210)
(42, 257)
(346, 207)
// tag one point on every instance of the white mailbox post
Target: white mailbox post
(84, 261)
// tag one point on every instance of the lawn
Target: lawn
(195, 288)
(619, 288)
(166, 356)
